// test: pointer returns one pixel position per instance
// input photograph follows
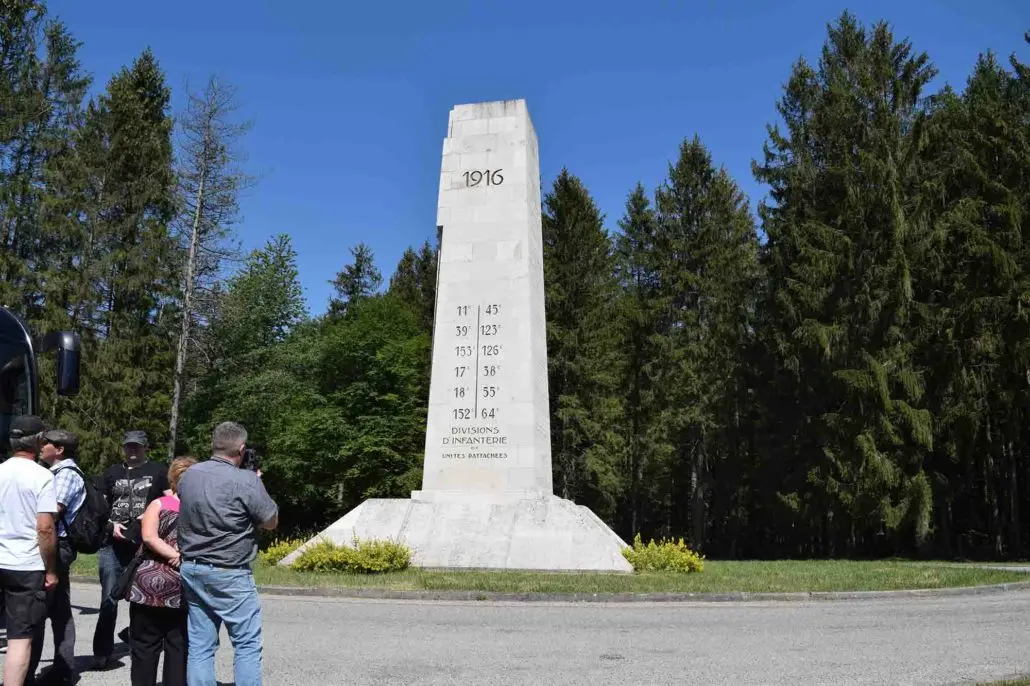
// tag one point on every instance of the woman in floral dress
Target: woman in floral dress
(157, 612)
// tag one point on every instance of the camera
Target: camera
(251, 460)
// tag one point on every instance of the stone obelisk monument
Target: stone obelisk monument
(487, 500)
(488, 432)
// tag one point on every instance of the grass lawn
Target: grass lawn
(1011, 682)
(718, 577)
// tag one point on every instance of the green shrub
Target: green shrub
(278, 549)
(665, 556)
(364, 557)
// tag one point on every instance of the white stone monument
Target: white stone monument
(487, 501)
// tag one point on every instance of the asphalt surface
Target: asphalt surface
(318, 641)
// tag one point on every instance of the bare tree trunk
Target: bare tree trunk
(1015, 546)
(85, 267)
(209, 183)
(635, 462)
(634, 488)
(187, 314)
(991, 491)
(698, 486)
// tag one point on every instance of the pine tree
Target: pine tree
(115, 198)
(414, 283)
(648, 444)
(707, 249)
(263, 302)
(843, 236)
(59, 245)
(582, 346)
(975, 344)
(41, 91)
(20, 100)
(357, 280)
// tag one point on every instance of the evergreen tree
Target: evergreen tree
(41, 92)
(648, 443)
(20, 102)
(112, 275)
(140, 258)
(707, 250)
(43, 87)
(59, 238)
(357, 280)
(582, 345)
(414, 283)
(844, 232)
(975, 347)
(263, 303)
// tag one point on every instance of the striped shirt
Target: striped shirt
(71, 492)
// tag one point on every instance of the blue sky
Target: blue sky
(349, 100)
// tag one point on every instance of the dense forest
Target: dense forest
(841, 370)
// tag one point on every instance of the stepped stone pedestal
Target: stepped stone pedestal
(487, 500)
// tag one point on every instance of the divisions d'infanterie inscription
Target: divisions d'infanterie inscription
(478, 384)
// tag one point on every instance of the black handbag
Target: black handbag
(120, 590)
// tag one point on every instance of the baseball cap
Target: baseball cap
(26, 425)
(61, 437)
(139, 437)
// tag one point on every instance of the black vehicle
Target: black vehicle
(19, 373)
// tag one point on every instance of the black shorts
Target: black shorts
(24, 602)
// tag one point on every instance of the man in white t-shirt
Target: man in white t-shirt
(28, 544)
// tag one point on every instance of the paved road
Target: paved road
(312, 641)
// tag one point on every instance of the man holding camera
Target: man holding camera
(221, 505)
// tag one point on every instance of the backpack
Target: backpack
(86, 532)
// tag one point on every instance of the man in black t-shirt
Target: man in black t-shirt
(129, 487)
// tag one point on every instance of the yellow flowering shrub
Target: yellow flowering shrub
(278, 549)
(664, 556)
(364, 557)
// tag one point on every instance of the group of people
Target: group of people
(177, 544)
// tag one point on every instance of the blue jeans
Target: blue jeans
(112, 562)
(215, 595)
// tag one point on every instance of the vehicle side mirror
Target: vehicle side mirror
(66, 343)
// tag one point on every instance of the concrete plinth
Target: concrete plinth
(539, 534)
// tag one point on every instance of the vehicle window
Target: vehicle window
(14, 389)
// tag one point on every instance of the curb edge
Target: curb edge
(672, 597)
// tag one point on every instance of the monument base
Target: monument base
(452, 531)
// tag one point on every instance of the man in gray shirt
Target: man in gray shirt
(220, 508)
